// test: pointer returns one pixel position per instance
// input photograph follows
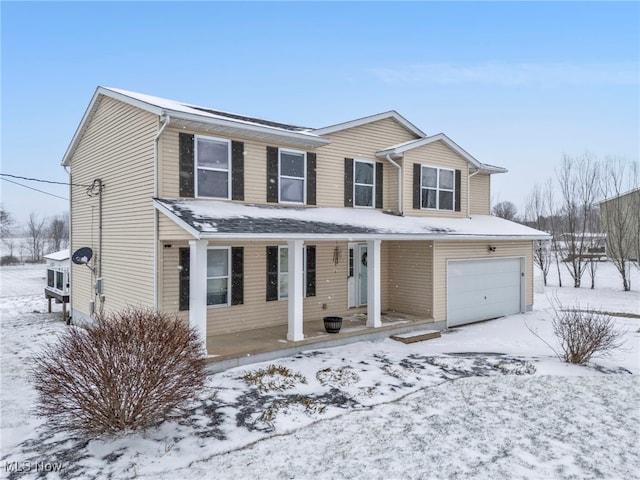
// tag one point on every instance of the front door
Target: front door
(357, 282)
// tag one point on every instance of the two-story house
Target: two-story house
(253, 230)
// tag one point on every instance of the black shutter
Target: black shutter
(187, 164)
(237, 170)
(311, 271)
(379, 184)
(348, 182)
(311, 178)
(237, 275)
(185, 259)
(272, 174)
(272, 273)
(417, 173)
(457, 190)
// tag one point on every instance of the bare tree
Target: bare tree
(555, 227)
(35, 230)
(578, 179)
(619, 214)
(58, 232)
(6, 222)
(506, 210)
(537, 216)
(594, 241)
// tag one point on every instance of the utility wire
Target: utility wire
(31, 188)
(43, 181)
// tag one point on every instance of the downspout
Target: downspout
(469, 192)
(400, 209)
(165, 119)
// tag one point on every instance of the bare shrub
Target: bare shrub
(584, 333)
(130, 370)
(274, 378)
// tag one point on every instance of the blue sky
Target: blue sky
(516, 84)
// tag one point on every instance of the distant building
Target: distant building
(620, 219)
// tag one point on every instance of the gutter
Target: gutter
(400, 203)
(165, 119)
(469, 193)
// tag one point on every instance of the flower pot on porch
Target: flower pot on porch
(332, 324)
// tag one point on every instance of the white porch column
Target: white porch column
(296, 291)
(198, 288)
(373, 283)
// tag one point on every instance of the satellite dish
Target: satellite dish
(82, 256)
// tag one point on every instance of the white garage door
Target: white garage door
(482, 289)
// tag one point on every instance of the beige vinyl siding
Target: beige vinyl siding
(360, 143)
(443, 251)
(256, 312)
(170, 230)
(435, 154)
(255, 165)
(480, 187)
(410, 285)
(117, 147)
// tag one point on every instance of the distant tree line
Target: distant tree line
(568, 207)
(32, 240)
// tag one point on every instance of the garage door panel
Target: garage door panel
(482, 289)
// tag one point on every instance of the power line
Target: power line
(42, 181)
(31, 188)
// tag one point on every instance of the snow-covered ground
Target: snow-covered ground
(489, 400)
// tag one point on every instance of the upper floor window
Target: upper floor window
(437, 188)
(213, 167)
(292, 173)
(363, 183)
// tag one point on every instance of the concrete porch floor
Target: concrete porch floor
(251, 346)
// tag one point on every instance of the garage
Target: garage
(482, 289)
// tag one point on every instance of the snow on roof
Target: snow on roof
(207, 112)
(215, 219)
(58, 256)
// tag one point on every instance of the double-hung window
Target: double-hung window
(283, 272)
(218, 277)
(364, 183)
(213, 167)
(437, 188)
(292, 173)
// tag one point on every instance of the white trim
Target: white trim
(228, 276)
(211, 169)
(398, 151)
(370, 119)
(373, 284)
(198, 288)
(373, 186)
(438, 188)
(280, 176)
(295, 330)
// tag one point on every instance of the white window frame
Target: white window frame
(438, 189)
(228, 276)
(280, 176)
(304, 271)
(196, 167)
(373, 186)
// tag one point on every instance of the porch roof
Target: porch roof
(213, 219)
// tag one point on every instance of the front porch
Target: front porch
(264, 344)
